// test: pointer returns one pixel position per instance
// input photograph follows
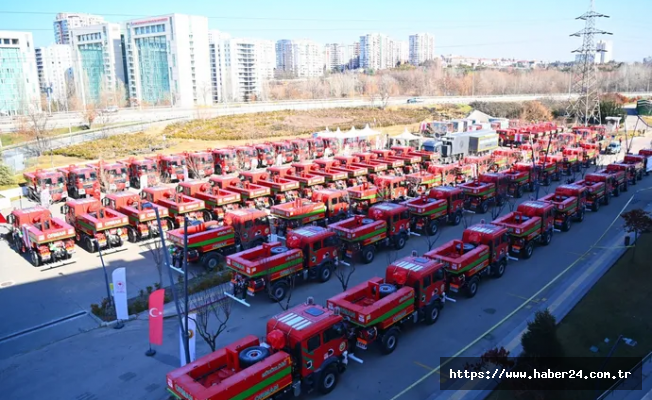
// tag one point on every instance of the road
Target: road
(74, 287)
(63, 120)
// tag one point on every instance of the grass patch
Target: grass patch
(116, 146)
(618, 304)
(294, 123)
(12, 138)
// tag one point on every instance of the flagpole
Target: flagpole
(151, 352)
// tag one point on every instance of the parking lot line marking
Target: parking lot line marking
(535, 301)
(516, 310)
(424, 366)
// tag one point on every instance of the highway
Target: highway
(44, 296)
(126, 115)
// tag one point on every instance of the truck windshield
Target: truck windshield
(45, 181)
(93, 175)
(173, 163)
(60, 180)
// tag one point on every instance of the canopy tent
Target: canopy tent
(407, 139)
(352, 138)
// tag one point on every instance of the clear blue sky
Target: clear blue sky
(528, 29)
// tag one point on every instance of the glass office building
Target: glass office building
(153, 68)
(19, 87)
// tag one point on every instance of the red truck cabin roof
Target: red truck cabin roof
(482, 233)
(243, 215)
(224, 181)
(230, 153)
(302, 322)
(297, 208)
(91, 204)
(123, 195)
(534, 208)
(46, 177)
(444, 192)
(389, 180)
(414, 269)
(30, 215)
(194, 186)
(384, 210)
(219, 376)
(634, 158)
(613, 167)
(402, 149)
(322, 195)
(255, 176)
(569, 190)
(281, 170)
(645, 152)
(492, 177)
(521, 166)
(298, 238)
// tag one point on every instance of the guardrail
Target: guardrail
(630, 382)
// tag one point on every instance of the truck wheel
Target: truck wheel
(484, 207)
(278, 291)
(546, 238)
(368, 255)
(328, 380)
(595, 206)
(252, 355)
(617, 192)
(580, 216)
(625, 186)
(432, 228)
(89, 244)
(530, 187)
(565, 227)
(207, 215)
(400, 241)
(211, 261)
(218, 170)
(389, 342)
(529, 250)
(547, 181)
(457, 218)
(34, 258)
(606, 200)
(432, 313)
(472, 287)
(325, 273)
(519, 192)
(131, 235)
(500, 268)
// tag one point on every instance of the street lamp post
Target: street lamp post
(186, 337)
(166, 254)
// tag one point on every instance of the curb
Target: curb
(107, 324)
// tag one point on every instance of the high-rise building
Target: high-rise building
(354, 53)
(168, 61)
(337, 57)
(239, 67)
(299, 58)
(605, 51)
(98, 64)
(65, 22)
(422, 48)
(401, 52)
(376, 52)
(19, 87)
(54, 64)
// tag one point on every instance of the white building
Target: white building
(376, 52)
(168, 60)
(54, 64)
(422, 48)
(19, 86)
(605, 51)
(299, 58)
(98, 63)
(401, 52)
(65, 22)
(239, 67)
(354, 53)
(337, 56)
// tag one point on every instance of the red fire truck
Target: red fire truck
(170, 167)
(95, 225)
(138, 168)
(178, 204)
(289, 216)
(251, 195)
(81, 182)
(207, 243)
(142, 220)
(442, 204)
(39, 180)
(531, 223)
(488, 190)
(200, 164)
(113, 176)
(216, 200)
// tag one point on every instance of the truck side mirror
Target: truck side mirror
(65, 209)
(143, 195)
(105, 202)
(11, 219)
(179, 189)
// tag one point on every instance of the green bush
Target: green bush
(6, 177)
(115, 146)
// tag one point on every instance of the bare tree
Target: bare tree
(386, 88)
(38, 128)
(155, 249)
(432, 240)
(284, 303)
(344, 272)
(205, 90)
(213, 310)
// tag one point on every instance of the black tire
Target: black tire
(218, 170)
(208, 216)
(457, 218)
(210, 261)
(519, 192)
(472, 287)
(252, 355)
(34, 258)
(565, 227)
(607, 199)
(368, 255)
(389, 341)
(546, 238)
(325, 273)
(484, 207)
(432, 228)
(625, 187)
(432, 313)
(278, 291)
(400, 241)
(595, 206)
(617, 191)
(89, 244)
(132, 236)
(500, 268)
(528, 251)
(328, 380)
(580, 217)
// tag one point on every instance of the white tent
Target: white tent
(407, 139)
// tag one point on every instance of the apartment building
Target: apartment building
(19, 86)
(299, 58)
(55, 65)
(422, 48)
(354, 52)
(98, 63)
(401, 52)
(65, 22)
(376, 52)
(337, 57)
(605, 50)
(168, 60)
(239, 67)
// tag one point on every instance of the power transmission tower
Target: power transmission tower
(586, 107)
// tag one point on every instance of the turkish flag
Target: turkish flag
(2, 219)
(156, 301)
